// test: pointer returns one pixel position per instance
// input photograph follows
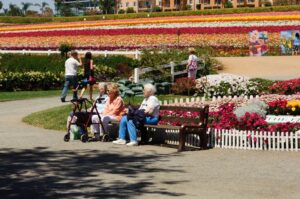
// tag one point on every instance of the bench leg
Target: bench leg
(203, 140)
(181, 141)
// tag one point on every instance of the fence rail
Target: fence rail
(135, 53)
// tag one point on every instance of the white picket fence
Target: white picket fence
(203, 99)
(135, 53)
(254, 140)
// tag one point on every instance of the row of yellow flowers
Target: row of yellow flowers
(236, 40)
(153, 21)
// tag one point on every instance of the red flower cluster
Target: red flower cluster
(224, 118)
(287, 87)
(277, 107)
(147, 31)
(252, 121)
(285, 127)
(184, 85)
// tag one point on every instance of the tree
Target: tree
(64, 49)
(14, 10)
(78, 6)
(42, 7)
(25, 7)
(1, 5)
(107, 6)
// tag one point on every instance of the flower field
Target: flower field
(217, 31)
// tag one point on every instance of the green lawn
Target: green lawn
(55, 118)
(20, 95)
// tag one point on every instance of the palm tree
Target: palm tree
(42, 7)
(25, 7)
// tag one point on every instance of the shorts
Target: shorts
(296, 48)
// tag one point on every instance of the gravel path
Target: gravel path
(272, 67)
(36, 163)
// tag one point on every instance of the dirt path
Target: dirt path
(36, 163)
(274, 68)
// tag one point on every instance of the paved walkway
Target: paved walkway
(36, 163)
(273, 67)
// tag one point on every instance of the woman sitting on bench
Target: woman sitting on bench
(151, 106)
(113, 111)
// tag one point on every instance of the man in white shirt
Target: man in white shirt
(71, 67)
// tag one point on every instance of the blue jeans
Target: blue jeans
(130, 127)
(70, 80)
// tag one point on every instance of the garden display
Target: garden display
(221, 32)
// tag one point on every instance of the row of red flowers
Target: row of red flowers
(224, 118)
(287, 87)
(148, 31)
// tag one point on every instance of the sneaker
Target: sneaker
(119, 141)
(132, 143)
(62, 99)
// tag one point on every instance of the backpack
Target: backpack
(193, 65)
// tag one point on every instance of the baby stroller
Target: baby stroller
(84, 119)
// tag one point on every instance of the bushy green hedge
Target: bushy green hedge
(23, 63)
(145, 14)
(12, 81)
(55, 63)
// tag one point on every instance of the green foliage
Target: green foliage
(185, 86)
(143, 14)
(64, 49)
(156, 9)
(228, 4)
(25, 63)
(130, 10)
(13, 81)
(1, 5)
(121, 11)
(156, 57)
(263, 85)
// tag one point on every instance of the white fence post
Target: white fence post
(172, 64)
(136, 75)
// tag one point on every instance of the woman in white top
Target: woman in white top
(192, 65)
(151, 106)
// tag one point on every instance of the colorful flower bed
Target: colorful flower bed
(218, 31)
(226, 85)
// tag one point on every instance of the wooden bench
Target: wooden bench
(184, 125)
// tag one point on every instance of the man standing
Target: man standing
(71, 67)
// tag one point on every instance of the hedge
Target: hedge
(9, 19)
(55, 63)
(12, 81)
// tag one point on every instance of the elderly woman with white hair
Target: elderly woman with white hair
(151, 106)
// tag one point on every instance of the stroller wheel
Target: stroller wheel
(105, 138)
(84, 138)
(67, 137)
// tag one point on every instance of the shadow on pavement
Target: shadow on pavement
(42, 173)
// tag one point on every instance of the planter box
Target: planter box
(273, 119)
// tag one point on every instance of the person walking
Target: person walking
(71, 67)
(296, 44)
(88, 76)
(192, 65)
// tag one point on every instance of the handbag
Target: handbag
(92, 80)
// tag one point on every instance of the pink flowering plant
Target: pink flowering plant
(287, 87)
(277, 107)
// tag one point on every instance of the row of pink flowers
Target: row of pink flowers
(147, 31)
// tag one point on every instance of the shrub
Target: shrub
(184, 86)
(257, 107)
(64, 49)
(12, 81)
(25, 63)
(287, 87)
(156, 9)
(252, 121)
(143, 15)
(263, 85)
(277, 107)
(228, 4)
(130, 10)
(225, 85)
(121, 11)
